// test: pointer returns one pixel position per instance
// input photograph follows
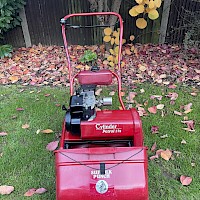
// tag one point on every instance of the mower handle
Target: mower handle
(118, 74)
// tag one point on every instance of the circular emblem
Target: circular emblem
(101, 186)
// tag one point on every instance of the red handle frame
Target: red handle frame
(118, 74)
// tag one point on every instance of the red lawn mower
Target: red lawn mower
(101, 154)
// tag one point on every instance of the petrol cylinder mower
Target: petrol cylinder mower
(101, 154)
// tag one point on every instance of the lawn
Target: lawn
(25, 162)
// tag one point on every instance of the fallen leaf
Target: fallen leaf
(158, 152)
(160, 106)
(3, 133)
(152, 109)
(47, 131)
(166, 155)
(40, 191)
(153, 157)
(30, 192)
(47, 95)
(158, 97)
(193, 94)
(52, 146)
(172, 95)
(142, 90)
(19, 109)
(164, 136)
(185, 180)
(6, 189)
(112, 93)
(142, 67)
(153, 148)
(188, 111)
(98, 91)
(183, 142)
(25, 126)
(177, 113)
(193, 164)
(154, 129)
(14, 79)
(187, 107)
(189, 123)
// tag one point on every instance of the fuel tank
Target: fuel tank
(80, 175)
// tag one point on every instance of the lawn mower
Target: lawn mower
(101, 154)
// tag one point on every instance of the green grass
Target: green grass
(26, 163)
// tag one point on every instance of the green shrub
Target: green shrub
(9, 14)
(88, 57)
(5, 51)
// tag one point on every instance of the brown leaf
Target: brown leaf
(47, 131)
(153, 148)
(52, 146)
(152, 109)
(3, 133)
(25, 126)
(185, 180)
(30, 192)
(40, 191)
(98, 91)
(47, 95)
(6, 189)
(166, 155)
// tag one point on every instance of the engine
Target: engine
(82, 107)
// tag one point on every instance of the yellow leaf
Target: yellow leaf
(133, 12)
(158, 3)
(112, 41)
(141, 23)
(111, 64)
(107, 31)
(123, 41)
(116, 60)
(132, 37)
(132, 48)
(47, 131)
(116, 34)
(117, 41)
(122, 64)
(139, 8)
(153, 14)
(139, 1)
(79, 67)
(110, 58)
(107, 38)
(151, 4)
(14, 78)
(112, 51)
(116, 49)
